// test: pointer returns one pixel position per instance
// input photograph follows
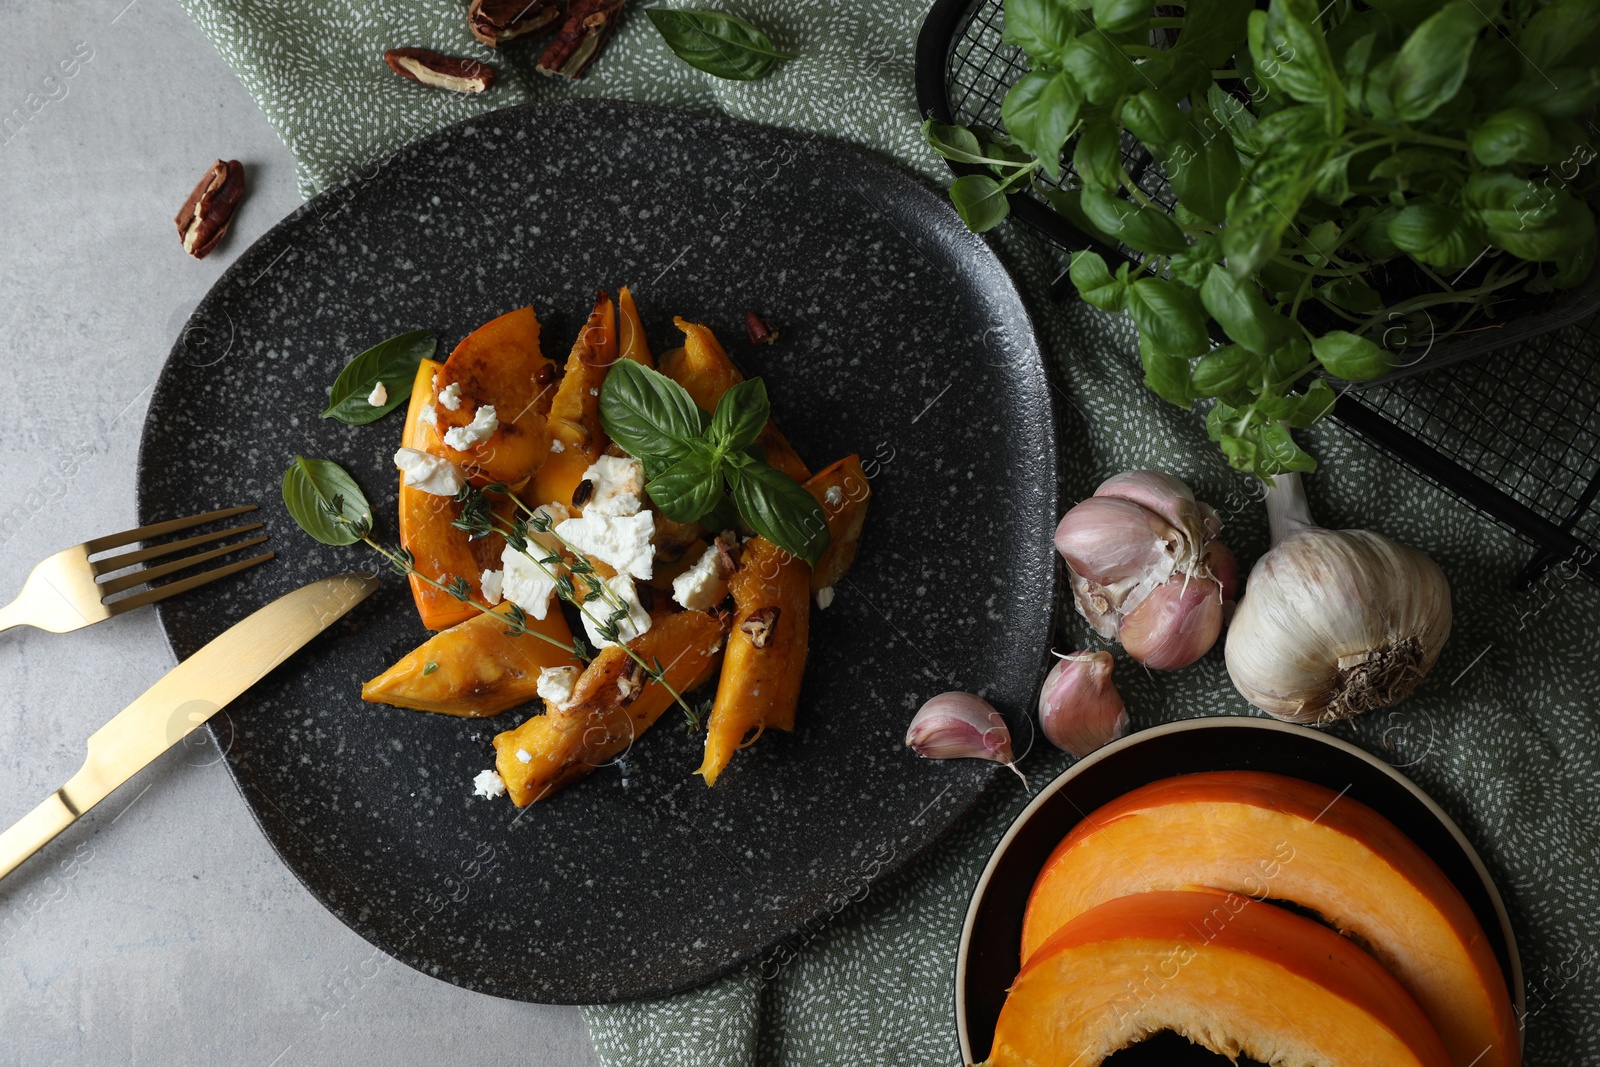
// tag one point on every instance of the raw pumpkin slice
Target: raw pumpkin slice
(607, 712)
(844, 493)
(1235, 975)
(705, 372)
(499, 365)
(576, 437)
(1266, 835)
(474, 669)
(438, 549)
(760, 683)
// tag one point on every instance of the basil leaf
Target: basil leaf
(1193, 264)
(1239, 121)
(1097, 159)
(393, 363)
(1290, 53)
(1166, 373)
(779, 509)
(1099, 67)
(1145, 229)
(1118, 16)
(1432, 64)
(1562, 93)
(647, 413)
(1277, 453)
(318, 493)
(1243, 311)
(1515, 135)
(1040, 112)
(717, 43)
(979, 201)
(1041, 28)
(1170, 316)
(1313, 405)
(1355, 359)
(1225, 370)
(685, 491)
(1275, 187)
(1213, 29)
(1095, 283)
(1204, 175)
(740, 416)
(1154, 119)
(1557, 31)
(955, 142)
(1437, 235)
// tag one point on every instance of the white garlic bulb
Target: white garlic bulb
(1334, 622)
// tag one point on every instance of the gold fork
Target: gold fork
(65, 593)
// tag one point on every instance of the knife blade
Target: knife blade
(185, 697)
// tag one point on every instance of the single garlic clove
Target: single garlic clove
(960, 726)
(1175, 625)
(1079, 707)
(1106, 540)
(1220, 563)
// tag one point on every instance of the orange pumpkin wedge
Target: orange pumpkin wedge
(576, 437)
(474, 669)
(843, 492)
(599, 723)
(631, 341)
(704, 370)
(499, 365)
(438, 549)
(1266, 835)
(760, 686)
(1232, 974)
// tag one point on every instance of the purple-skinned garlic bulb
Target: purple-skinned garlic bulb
(1079, 706)
(1146, 568)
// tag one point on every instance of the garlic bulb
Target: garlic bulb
(1334, 622)
(1145, 566)
(960, 725)
(1079, 707)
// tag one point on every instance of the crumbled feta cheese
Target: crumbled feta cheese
(834, 496)
(636, 623)
(429, 473)
(524, 755)
(481, 428)
(825, 596)
(618, 486)
(523, 581)
(702, 586)
(492, 583)
(488, 785)
(621, 541)
(429, 415)
(557, 446)
(379, 395)
(556, 685)
(450, 395)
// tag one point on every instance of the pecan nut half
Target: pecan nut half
(205, 216)
(759, 625)
(758, 331)
(440, 71)
(494, 22)
(587, 28)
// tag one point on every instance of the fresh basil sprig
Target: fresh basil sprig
(690, 461)
(717, 43)
(325, 501)
(392, 362)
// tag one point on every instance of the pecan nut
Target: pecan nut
(494, 22)
(728, 552)
(759, 625)
(758, 331)
(205, 216)
(587, 28)
(440, 71)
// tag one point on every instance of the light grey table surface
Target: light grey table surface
(160, 929)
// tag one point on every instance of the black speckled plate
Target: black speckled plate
(903, 339)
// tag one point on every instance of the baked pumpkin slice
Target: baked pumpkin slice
(612, 704)
(498, 365)
(1234, 975)
(576, 436)
(476, 668)
(438, 549)
(1270, 836)
(844, 493)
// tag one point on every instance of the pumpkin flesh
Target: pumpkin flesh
(576, 436)
(499, 364)
(846, 513)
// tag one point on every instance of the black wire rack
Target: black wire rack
(1515, 433)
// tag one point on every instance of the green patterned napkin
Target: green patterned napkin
(1506, 734)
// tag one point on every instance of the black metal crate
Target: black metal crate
(1515, 433)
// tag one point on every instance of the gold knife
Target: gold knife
(187, 696)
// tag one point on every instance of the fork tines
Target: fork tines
(108, 565)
